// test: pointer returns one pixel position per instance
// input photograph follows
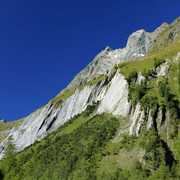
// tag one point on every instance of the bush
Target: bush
(132, 77)
(122, 65)
(148, 73)
(162, 87)
(89, 109)
(128, 142)
(158, 62)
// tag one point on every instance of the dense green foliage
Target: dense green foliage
(157, 94)
(67, 155)
(9, 161)
(158, 62)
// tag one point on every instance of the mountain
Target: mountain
(117, 119)
(137, 46)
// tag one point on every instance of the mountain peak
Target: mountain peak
(163, 25)
(160, 28)
(108, 48)
(171, 33)
(137, 46)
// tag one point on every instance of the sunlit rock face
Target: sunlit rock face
(115, 100)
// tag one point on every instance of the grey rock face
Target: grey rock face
(137, 46)
(115, 97)
(100, 65)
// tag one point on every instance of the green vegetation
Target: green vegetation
(65, 155)
(157, 94)
(83, 148)
(95, 81)
(9, 161)
(158, 62)
(147, 73)
(132, 77)
(58, 100)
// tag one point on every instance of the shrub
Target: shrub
(158, 62)
(148, 73)
(89, 109)
(132, 77)
(162, 87)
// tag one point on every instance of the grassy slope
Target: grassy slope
(148, 61)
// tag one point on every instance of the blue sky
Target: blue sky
(44, 44)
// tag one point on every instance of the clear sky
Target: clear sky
(45, 43)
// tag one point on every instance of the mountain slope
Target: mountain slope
(131, 115)
(137, 46)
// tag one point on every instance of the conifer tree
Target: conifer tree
(9, 159)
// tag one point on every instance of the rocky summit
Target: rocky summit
(137, 46)
(119, 118)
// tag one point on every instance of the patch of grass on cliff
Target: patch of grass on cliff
(148, 61)
(58, 100)
(95, 81)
